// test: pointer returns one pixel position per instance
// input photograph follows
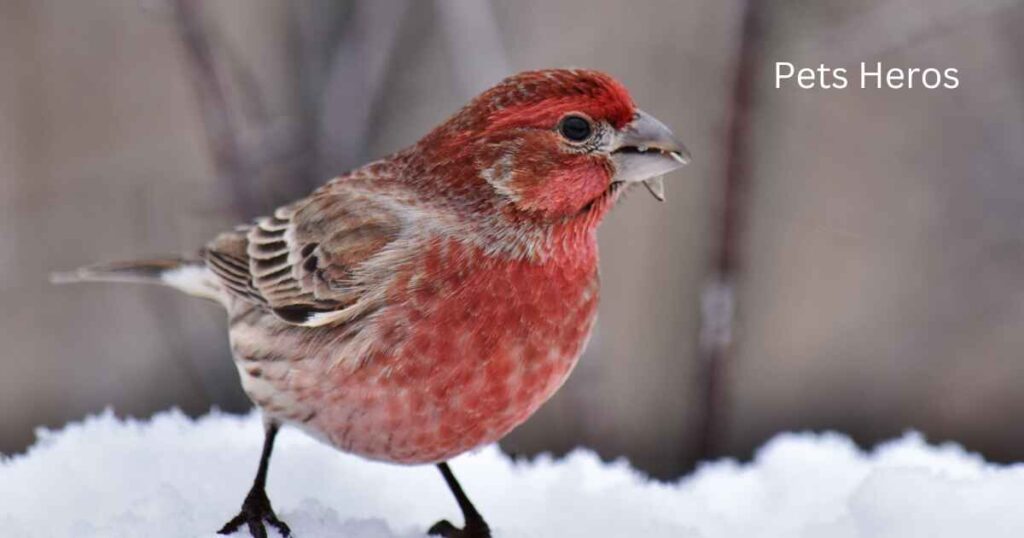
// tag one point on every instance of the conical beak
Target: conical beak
(644, 150)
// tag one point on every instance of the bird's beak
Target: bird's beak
(644, 150)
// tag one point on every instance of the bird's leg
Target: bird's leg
(474, 526)
(256, 508)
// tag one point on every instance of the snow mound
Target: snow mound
(177, 477)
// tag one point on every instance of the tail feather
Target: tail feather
(188, 275)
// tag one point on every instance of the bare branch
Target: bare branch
(221, 131)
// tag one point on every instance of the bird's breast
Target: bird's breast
(470, 346)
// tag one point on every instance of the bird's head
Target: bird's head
(555, 144)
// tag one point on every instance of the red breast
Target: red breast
(473, 346)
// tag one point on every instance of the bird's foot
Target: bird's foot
(256, 511)
(475, 528)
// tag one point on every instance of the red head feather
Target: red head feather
(503, 146)
(541, 98)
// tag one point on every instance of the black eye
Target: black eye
(575, 128)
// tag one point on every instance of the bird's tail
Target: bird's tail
(187, 275)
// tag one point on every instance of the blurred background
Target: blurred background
(834, 259)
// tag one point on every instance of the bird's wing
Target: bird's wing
(310, 263)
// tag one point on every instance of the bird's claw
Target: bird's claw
(473, 529)
(256, 511)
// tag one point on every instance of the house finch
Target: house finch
(429, 302)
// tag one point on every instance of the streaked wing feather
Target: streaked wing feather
(301, 262)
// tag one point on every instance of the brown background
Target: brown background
(880, 244)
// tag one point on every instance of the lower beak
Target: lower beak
(644, 150)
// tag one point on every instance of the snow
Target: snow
(174, 476)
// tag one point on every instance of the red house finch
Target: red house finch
(427, 303)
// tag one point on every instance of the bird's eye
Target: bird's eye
(575, 128)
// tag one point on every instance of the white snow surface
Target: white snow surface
(177, 477)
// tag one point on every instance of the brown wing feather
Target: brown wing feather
(226, 256)
(301, 263)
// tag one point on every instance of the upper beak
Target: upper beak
(644, 150)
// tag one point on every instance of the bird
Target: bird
(427, 303)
